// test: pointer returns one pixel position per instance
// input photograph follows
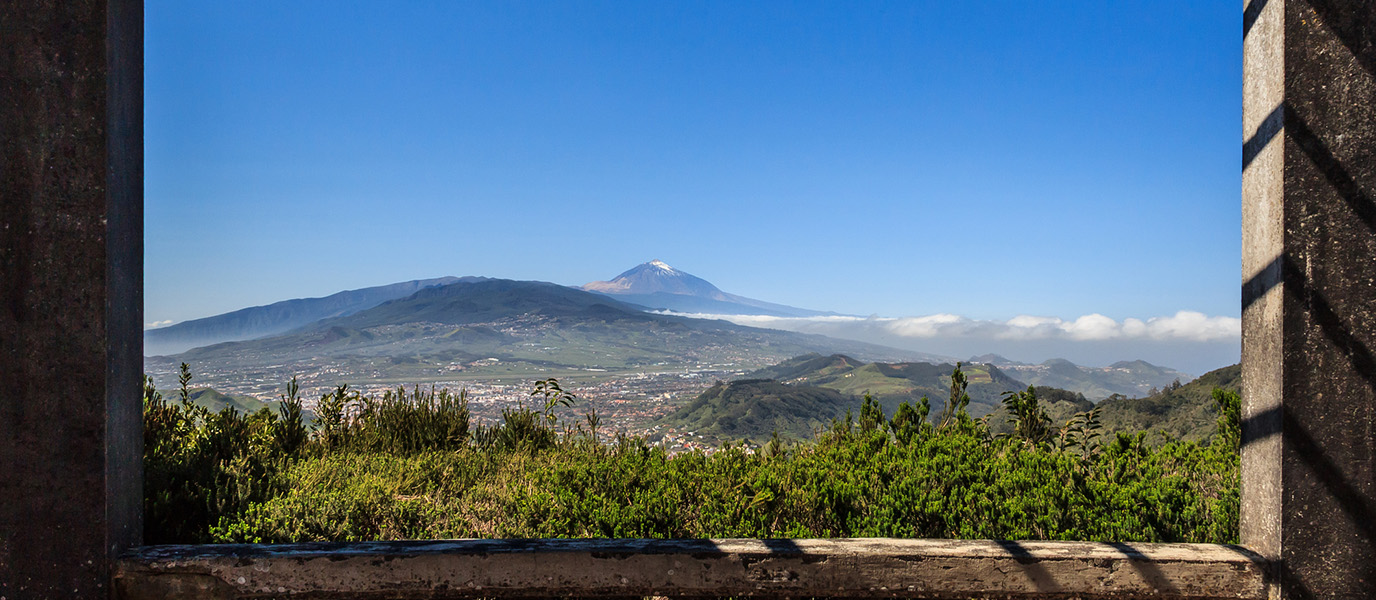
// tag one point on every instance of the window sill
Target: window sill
(873, 567)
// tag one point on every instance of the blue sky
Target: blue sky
(981, 159)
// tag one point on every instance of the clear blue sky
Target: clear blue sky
(975, 158)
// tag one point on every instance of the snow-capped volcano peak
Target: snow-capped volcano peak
(657, 285)
(656, 276)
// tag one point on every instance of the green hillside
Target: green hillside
(215, 401)
(803, 394)
(893, 383)
(1187, 412)
(755, 408)
(788, 397)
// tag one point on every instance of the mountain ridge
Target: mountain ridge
(529, 328)
(278, 317)
(1125, 377)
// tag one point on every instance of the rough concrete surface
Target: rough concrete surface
(694, 568)
(1309, 294)
(70, 293)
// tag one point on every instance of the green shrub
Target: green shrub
(404, 466)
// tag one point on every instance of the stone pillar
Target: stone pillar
(1309, 294)
(71, 293)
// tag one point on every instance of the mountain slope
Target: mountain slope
(894, 383)
(1129, 378)
(516, 329)
(214, 401)
(1187, 412)
(278, 317)
(657, 285)
(755, 408)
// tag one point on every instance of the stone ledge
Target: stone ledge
(874, 568)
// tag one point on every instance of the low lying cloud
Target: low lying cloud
(1190, 341)
(1185, 326)
(157, 324)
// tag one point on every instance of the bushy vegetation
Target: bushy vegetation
(410, 465)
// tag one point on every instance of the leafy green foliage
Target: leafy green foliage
(202, 466)
(871, 415)
(959, 399)
(1082, 432)
(404, 467)
(1229, 418)
(909, 422)
(289, 430)
(1030, 422)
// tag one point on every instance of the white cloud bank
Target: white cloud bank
(1183, 326)
(1190, 341)
(157, 324)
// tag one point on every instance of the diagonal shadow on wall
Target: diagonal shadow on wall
(1354, 26)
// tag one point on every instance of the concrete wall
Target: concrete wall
(1309, 294)
(71, 289)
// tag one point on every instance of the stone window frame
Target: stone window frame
(71, 294)
(695, 568)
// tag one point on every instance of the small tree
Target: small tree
(554, 396)
(871, 415)
(330, 425)
(955, 407)
(908, 422)
(183, 379)
(1030, 421)
(289, 431)
(1082, 432)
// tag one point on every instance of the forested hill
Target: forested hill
(1187, 412)
(214, 401)
(894, 383)
(802, 394)
(755, 408)
(797, 396)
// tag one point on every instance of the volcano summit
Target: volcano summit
(657, 285)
